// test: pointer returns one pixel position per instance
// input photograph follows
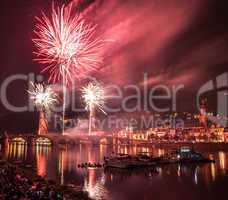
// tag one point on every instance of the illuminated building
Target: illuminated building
(217, 134)
(225, 134)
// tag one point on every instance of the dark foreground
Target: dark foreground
(17, 184)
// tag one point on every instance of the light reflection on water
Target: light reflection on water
(61, 164)
(17, 151)
(42, 154)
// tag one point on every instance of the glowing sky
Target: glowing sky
(174, 41)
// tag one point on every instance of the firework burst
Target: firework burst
(42, 96)
(94, 96)
(65, 43)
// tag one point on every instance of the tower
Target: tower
(203, 114)
(43, 124)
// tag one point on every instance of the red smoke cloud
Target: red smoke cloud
(146, 34)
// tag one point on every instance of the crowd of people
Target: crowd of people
(16, 186)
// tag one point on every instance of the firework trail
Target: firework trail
(94, 96)
(67, 45)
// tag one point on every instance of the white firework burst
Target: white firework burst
(94, 96)
(42, 96)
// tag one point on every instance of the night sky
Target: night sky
(174, 41)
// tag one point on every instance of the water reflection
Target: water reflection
(42, 154)
(213, 171)
(196, 175)
(61, 164)
(222, 160)
(16, 151)
(94, 184)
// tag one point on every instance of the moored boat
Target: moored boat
(188, 155)
(183, 155)
(126, 161)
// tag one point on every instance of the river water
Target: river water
(192, 182)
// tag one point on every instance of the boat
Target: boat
(188, 155)
(125, 161)
(184, 155)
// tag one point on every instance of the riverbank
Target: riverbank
(17, 182)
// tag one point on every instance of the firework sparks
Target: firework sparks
(43, 96)
(67, 45)
(94, 96)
